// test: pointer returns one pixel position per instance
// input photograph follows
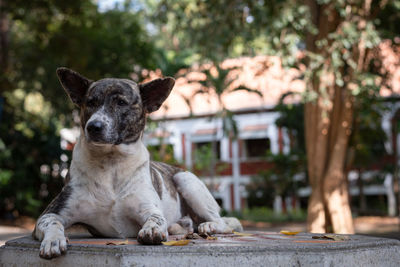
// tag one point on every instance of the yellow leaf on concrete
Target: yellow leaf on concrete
(211, 238)
(242, 234)
(126, 242)
(286, 232)
(182, 242)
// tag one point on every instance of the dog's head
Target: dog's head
(113, 111)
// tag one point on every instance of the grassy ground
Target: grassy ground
(263, 214)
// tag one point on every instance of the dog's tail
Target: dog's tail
(233, 223)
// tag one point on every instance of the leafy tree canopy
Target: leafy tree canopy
(38, 37)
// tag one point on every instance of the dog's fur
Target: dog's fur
(113, 188)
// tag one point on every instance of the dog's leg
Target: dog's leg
(201, 203)
(154, 231)
(50, 226)
(50, 230)
(146, 212)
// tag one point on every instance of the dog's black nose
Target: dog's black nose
(95, 127)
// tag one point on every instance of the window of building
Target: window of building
(255, 148)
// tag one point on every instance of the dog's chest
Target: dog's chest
(102, 201)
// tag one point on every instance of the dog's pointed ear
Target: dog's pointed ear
(154, 93)
(74, 84)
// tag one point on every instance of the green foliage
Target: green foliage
(366, 144)
(163, 153)
(292, 118)
(283, 28)
(279, 179)
(203, 157)
(29, 142)
(263, 214)
(96, 44)
(44, 35)
(244, 27)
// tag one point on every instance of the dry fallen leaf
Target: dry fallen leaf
(126, 242)
(182, 242)
(211, 238)
(286, 232)
(332, 237)
(337, 237)
(242, 234)
(192, 235)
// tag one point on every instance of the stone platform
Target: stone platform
(249, 249)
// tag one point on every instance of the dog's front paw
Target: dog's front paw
(53, 246)
(152, 235)
(207, 228)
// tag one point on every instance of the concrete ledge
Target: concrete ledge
(256, 249)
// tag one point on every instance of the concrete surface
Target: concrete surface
(11, 232)
(252, 249)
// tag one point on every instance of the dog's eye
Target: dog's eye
(122, 102)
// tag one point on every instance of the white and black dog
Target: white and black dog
(112, 186)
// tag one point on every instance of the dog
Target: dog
(112, 187)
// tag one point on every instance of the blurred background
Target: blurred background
(287, 110)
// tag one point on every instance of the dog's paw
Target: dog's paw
(152, 235)
(210, 228)
(53, 246)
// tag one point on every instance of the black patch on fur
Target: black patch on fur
(59, 203)
(157, 182)
(167, 172)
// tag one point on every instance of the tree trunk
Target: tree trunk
(327, 130)
(327, 140)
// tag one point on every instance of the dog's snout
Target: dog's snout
(95, 127)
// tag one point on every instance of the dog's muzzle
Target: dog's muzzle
(95, 130)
